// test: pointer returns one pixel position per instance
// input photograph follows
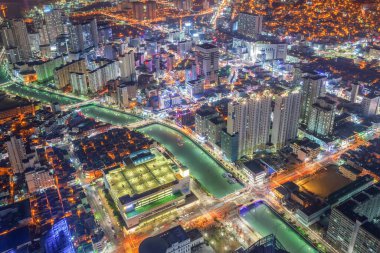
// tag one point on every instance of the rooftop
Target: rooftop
(161, 242)
(333, 197)
(217, 120)
(324, 183)
(305, 142)
(207, 46)
(255, 166)
(206, 111)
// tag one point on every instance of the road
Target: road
(308, 168)
(104, 219)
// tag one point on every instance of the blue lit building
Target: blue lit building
(58, 239)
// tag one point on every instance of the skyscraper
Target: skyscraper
(250, 118)
(313, 86)
(16, 153)
(207, 61)
(285, 117)
(321, 121)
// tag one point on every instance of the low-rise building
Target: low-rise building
(99, 242)
(256, 172)
(174, 240)
(305, 149)
(349, 171)
(261, 50)
(283, 191)
(38, 179)
(311, 214)
(147, 185)
(195, 87)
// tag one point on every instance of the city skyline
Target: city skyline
(190, 126)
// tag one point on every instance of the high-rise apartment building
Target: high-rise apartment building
(214, 129)
(352, 224)
(249, 25)
(151, 10)
(54, 24)
(250, 118)
(313, 86)
(7, 37)
(122, 96)
(354, 92)
(370, 104)
(202, 115)
(45, 69)
(127, 66)
(184, 5)
(83, 35)
(44, 35)
(144, 10)
(207, 61)
(229, 144)
(20, 38)
(286, 115)
(321, 121)
(79, 83)
(100, 76)
(9, 43)
(184, 47)
(62, 74)
(16, 153)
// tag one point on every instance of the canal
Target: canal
(38, 94)
(201, 165)
(264, 221)
(111, 116)
(207, 171)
